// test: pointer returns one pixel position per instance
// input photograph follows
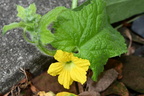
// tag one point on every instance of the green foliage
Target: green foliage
(118, 10)
(29, 22)
(36, 26)
(28, 14)
(121, 9)
(86, 32)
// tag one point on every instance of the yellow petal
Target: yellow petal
(78, 74)
(65, 94)
(65, 79)
(82, 63)
(62, 56)
(55, 68)
(43, 93)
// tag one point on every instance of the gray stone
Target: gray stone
(133, 72)
(15, 52)
(137, 26)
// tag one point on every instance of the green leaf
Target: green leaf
(87, 33)
(21, 12)
(27, 14)
(121, 9)
(11, 26)
(82, 5)
(31, 21)
(32, 7)
(45, 35)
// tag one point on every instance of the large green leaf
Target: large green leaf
(121, 9)
(87, 33)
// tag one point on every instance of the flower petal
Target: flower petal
(65, 79)
(62, 56)
(82, 63)
(65, 94)
(78, 74)
(55, 68)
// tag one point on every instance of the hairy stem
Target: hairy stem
(45, 50)
(74, 4)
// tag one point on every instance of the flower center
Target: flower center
(69, 65)
(69, 62)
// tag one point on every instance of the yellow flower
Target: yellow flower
(65, 94)
(69, 68)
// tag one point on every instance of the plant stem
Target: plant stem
(25, 37)
(45, 50)
(74, 4)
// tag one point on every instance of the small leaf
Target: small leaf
(32, 7)
(11, 26)
(27, 14)
(30, 20)
(21, 12)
